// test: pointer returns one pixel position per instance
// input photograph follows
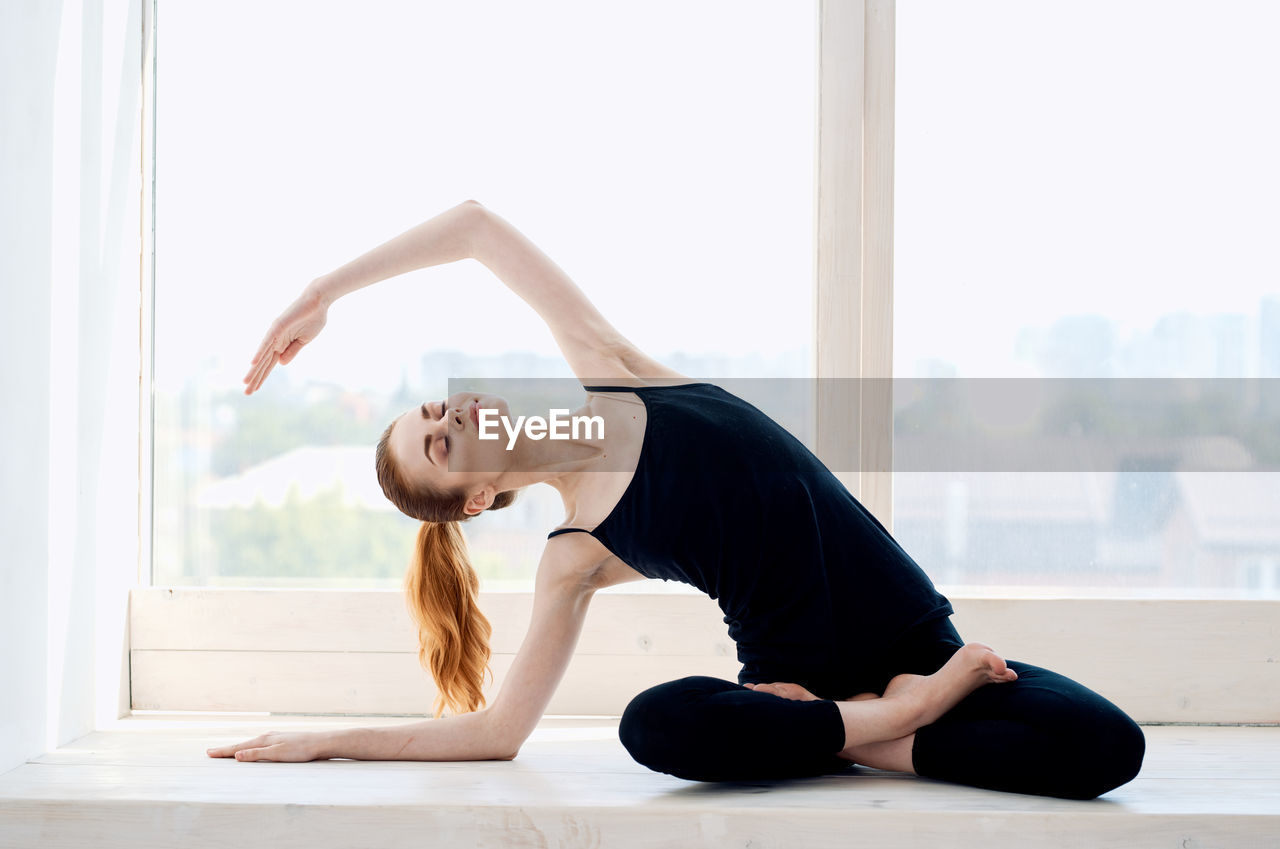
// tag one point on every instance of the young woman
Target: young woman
(848, 653)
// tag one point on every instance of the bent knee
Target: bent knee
(1115, 756)
(1128, 747)
(655, 724)
(673, 727)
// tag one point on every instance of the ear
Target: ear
(480, 501)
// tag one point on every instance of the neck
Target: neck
(555, 461)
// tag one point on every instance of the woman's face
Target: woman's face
(438, 445)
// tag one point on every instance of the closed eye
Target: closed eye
(446, 436)
(426, 448)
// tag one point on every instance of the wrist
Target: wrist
(329, 744)
(321, 291)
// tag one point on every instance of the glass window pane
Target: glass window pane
(661, 153)
(1087, 190)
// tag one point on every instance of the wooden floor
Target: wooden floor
(145, 782)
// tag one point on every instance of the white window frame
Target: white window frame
(853, 196)
(147, 317)
(853, 331)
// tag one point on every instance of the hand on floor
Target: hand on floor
(294, 746)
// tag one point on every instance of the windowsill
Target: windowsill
(654, 587)
(1194, 660)
(961, 591)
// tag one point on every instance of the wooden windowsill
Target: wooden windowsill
(145, 781)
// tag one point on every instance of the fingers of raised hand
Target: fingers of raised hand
(291, 352)
(265, 354)
(250, 376)
(268, 342)
(259, 373)
(265, 359)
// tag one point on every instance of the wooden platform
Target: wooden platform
(145, 782)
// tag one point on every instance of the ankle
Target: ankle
(910, 711)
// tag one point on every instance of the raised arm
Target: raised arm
(562, 591)
(594, 349)
(448, 237)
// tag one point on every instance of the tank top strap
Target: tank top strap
(559, 531)
(595, 388)
(599, 388)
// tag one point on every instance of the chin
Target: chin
(495, 402)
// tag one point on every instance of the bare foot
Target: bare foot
(972, 666)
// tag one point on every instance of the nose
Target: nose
(456, 414)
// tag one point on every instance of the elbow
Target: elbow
(505, 752)
(504, 740)
(508, 747)
(476, 219)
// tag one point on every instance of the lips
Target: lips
(473, 409)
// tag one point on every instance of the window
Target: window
(626, 155)
(1076, 201)
(853, 210)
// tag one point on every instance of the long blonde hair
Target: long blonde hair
(441, 588)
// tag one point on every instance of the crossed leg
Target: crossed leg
(1048, 735)
(713, 730)
(1041, 733)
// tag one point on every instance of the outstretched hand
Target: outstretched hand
(291, 747)
(301, 322)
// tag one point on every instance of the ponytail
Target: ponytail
(441, 587)
(453, 635)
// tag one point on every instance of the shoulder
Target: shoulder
(573, 557)
(626, 365)
(585, 561)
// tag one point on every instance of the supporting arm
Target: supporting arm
(465, 737)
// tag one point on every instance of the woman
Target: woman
(847, 649)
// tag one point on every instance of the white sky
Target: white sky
(1112, 157)
(1052, 158)
(663, 158)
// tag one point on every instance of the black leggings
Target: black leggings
(1042, 734)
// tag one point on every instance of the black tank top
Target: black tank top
(813, 588)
